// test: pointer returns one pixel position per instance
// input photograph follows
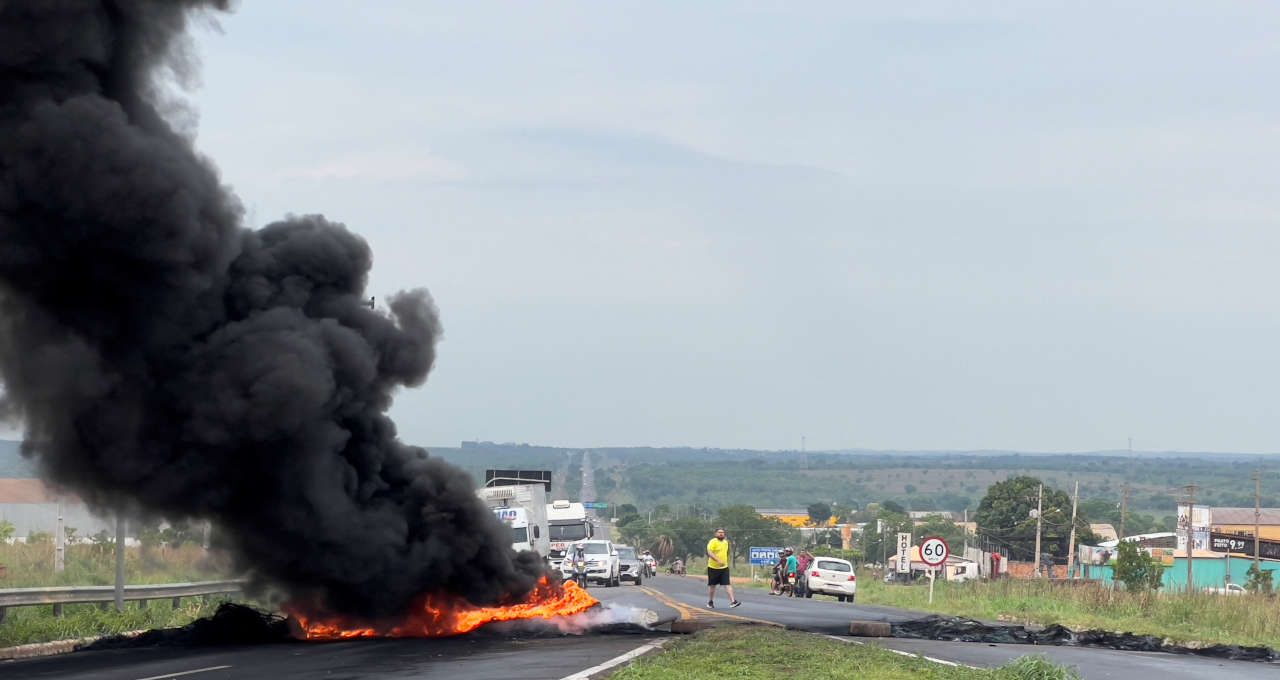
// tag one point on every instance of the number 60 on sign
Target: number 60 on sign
(934, 551)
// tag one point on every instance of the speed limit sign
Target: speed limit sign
(934, 551)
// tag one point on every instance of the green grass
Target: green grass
(31, 566)
(1243, 620)
(749, 653)
(38, 624)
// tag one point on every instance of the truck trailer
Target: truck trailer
(524, 508)
(569, 523)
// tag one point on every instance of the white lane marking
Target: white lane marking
(180, 673)
(585, 674)
(899, 652)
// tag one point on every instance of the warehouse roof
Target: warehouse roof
(1269, 516)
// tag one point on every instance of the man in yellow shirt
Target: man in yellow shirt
(718, 569)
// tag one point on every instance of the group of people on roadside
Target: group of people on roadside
(788, 573)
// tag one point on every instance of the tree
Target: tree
(745, 528)
(819, 512)
(937, 525)
(1005, 515)
(893, 507)
(627, 509)
(842, 512)
(1258, 581)
(1137, 570)
(6, 530)
(880, 538)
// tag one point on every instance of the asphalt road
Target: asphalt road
(497, 652)
(501, 653)
(824, 615)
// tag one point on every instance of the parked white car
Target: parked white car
(832, 576)
(1230, 589)
(602, 562)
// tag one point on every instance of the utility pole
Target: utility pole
(1039, 519)
(1257, 517)
(60, 541)
(1071, 542)
(1191, 511)
(1124, 509)
(119, 561)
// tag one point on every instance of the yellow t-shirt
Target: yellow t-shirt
(719, 548)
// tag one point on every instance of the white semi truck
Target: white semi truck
(569, 523)
(524, 508)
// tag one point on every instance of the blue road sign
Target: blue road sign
(765, 557)
(597, 506)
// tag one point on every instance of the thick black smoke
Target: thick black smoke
(165, 359)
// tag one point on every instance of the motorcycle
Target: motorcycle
(580, 573)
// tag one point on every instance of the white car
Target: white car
(831, 576)
(602, 562)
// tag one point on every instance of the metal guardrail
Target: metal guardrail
(103, 595)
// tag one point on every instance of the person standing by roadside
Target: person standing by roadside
(718, 569)
(802, 576)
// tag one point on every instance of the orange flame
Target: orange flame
(441, 615)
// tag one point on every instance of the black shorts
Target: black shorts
(717, 577)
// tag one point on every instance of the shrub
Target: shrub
(1258, 581)
(1136, 569)
(1037, 667)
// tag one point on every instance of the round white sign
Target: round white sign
(934, 551)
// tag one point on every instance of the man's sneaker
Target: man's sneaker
(735, 603)
(711, 605)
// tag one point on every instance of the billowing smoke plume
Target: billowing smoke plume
(166, 359)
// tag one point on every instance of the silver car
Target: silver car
(630, 566)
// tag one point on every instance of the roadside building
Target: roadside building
(956, 568)
(1105, 532)
(1240, 522)
(794, 517)
(32, 506)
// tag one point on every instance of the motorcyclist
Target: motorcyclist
(790, 571)
(578, 564)
(802, 574)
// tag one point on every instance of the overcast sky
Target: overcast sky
(918, 225)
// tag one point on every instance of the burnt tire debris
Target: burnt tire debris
(231, 624)
(960, 629)
(238, 624)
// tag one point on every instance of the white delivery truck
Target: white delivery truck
(524, 508)
(569, 524)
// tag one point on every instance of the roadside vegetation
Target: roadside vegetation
(1250, 619)
(38, 624)
(31, 566)
(766, 654)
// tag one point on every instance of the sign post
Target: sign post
(933, 552)
(904, 552)
(762, 556)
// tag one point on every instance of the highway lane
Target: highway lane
(498, 652)
(689, 595)
(503, 651)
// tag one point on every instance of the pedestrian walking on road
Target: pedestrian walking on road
(718, 569)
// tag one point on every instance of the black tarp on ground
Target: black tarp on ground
(960, 629)
(231, 624)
